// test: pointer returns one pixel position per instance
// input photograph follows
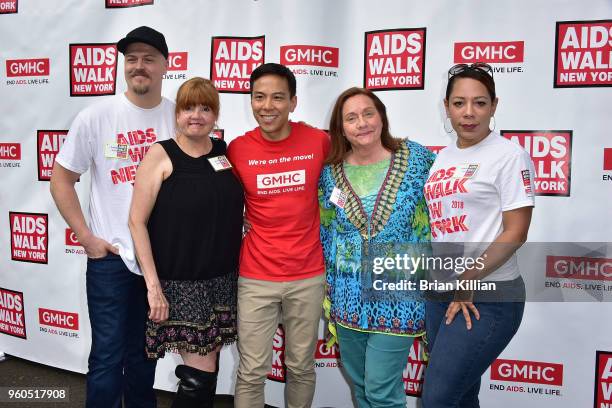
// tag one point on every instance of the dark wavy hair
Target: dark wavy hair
(473, 73)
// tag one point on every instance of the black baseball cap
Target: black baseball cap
(145, 35)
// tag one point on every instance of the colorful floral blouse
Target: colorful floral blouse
(399, 215)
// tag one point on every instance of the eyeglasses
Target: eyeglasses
(477, 66)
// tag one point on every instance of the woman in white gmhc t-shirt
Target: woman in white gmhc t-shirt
(480, 190)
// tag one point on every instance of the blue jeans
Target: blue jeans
(374, 363)
(459, 357)
(118, 367)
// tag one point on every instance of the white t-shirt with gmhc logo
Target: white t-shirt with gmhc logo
(468, 189)
(110, 139)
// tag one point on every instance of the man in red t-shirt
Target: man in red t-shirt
(281, 261)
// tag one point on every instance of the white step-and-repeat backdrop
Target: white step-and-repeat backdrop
(553, 68)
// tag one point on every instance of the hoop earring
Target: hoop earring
(451, 128)
(494, 123)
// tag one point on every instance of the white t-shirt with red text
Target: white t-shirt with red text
(110, 139)
(468, 189)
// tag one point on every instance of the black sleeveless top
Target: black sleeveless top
(195, 227)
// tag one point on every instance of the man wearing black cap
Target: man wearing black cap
(109, 139)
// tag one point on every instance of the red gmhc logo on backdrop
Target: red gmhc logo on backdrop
(395, 59)
(177, 61)
(29, 237)
(496, 52)
(12, 317)
(33, 67)
(490, 52)
(127, 3)
(324, 354)
(48, 146)
(93, 69)
(551, 152)
(533, 372)
(8, 6)
(607, 162)
(234, 58)
(27, 67)
(11, 152)
(584, 268)
(603, 379)
(414, 373)
(279, 370)
(57, 318)
(310, 55)
(527, 372)
(583, 54)
(299, 57)
(71, 239)
(73, 246)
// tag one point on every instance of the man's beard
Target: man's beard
(140, 89)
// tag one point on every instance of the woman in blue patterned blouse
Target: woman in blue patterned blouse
(371, 193)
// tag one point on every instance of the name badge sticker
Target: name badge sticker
(116, 151)
(338, 198)
(220, 163)
(466, 170)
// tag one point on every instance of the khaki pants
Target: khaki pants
(260, 305)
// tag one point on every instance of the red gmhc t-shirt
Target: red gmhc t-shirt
(280, 182)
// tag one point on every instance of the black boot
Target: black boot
(196, 388)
